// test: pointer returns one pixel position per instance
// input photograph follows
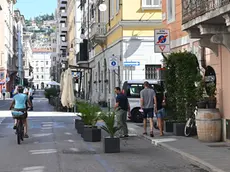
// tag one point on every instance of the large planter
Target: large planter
(202, 104)
(92, 134)
(208, 122)
(80, 127)
(111, 145)
(212, 104)
(178, 128)
(76, 123)
(168, 126)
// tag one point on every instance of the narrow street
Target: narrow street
(55, 146)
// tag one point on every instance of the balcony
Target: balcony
(151, 5)
(64, 44)
(64, 29)
(63, 15)
(62, 20)
(62, 6)
(63, 1)
(98, 33)
(207, 20)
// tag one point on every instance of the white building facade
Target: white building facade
(41, 64)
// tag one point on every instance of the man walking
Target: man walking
(4, 93)
(122, 108)
(148, 105)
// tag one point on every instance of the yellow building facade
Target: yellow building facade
(129, 36)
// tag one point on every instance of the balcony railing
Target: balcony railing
(98, 29)
(192, 9)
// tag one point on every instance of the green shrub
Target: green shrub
(89, 113)
(51, 92)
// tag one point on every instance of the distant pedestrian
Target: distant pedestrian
(148, 106)
(4, 92)
(122, 108)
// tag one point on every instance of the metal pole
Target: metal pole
(19, 57)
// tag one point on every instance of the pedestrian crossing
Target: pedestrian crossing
(1, 119)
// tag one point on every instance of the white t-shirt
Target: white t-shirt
(4, 90)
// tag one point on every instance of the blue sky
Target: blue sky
(32, 8)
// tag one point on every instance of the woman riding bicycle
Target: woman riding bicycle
(19, 103)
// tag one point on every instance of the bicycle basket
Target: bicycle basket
(17, 113)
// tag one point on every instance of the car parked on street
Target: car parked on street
(132, 89)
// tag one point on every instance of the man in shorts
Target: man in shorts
(148, 105)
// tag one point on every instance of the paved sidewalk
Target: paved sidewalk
(215, 156)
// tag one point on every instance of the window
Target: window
(117, 5)
(151, 71)
(47, 63)
(24, 63)
(171, 11)
(151, 4)
(133, 90)
(36, 63)
(37, 77)
(37, 69)
(42, 69)
(42, 76)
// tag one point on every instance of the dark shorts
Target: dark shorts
(148, 113)
(25, 115)
(3, 94)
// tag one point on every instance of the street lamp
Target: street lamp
(102, 7)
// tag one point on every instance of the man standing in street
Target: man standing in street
(122, 108)
(148, 105)
(4, 93)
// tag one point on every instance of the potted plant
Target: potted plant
(211, 88)
(111, 144)
(181, 74)
(89, 114)
(202, 101)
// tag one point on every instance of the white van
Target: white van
(132, 89)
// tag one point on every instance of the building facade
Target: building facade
(6, 45)
(41, 64)
(204, 31)
(122, 32)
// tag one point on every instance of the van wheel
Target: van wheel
(137, 116)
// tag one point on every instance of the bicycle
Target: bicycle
(19, 116)
(190, 124)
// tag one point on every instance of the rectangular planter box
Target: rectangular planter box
(178, 129)
(111, 145)
(168, 126)
(77, 123)
(80, 127)
(92, 134)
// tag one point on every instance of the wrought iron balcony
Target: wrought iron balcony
(98, 32)
(192, 9)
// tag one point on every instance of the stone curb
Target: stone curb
(185, 155)
(190, 157)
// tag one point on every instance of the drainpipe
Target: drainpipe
(203, 60)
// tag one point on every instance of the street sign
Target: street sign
(162, 40)
(113, 62)
(76, 74)
(130, 63)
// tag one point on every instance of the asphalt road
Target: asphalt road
(55, 146)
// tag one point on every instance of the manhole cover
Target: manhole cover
(219, 146)
(78, 152)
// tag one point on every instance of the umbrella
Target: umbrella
(2, 83)
(54, 83)
(67, 97)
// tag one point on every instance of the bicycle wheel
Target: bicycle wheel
(188, 127)
(22, 130)
(18, 130)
